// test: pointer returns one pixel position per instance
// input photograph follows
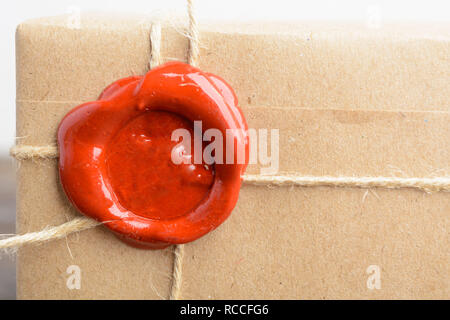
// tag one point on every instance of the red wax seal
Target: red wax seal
(116, 162)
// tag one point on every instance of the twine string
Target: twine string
(193, 34)
(50, 233)
(439, 184)
(193, 52)
(177, 272)
(436, 184)
(155, 45)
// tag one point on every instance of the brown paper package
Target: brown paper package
(347, 100)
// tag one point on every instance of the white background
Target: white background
(18, 10)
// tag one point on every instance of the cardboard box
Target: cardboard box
(347, 100)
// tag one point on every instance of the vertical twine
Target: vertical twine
(177, 273)
(193, 35)
(192, 60)
(155, 43)
(155, 60)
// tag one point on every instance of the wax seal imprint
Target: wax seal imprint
(120, 164)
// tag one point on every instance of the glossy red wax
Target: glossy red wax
(115, 156)
(142, 174)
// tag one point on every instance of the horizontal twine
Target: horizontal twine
(436, 184)
(25, 152)
(83, 223)
(429, 185)
(49, 233)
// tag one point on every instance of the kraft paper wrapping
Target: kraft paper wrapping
(347, 100)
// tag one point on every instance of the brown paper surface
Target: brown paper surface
(347, 101)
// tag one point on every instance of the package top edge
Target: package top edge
(128, 21)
